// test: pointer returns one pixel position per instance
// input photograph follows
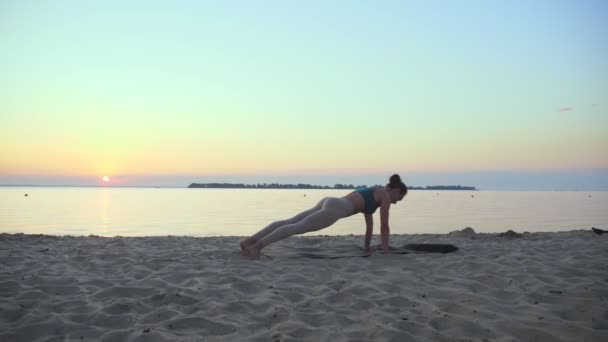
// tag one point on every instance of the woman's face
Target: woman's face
(396, 195)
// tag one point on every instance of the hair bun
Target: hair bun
(395, 179)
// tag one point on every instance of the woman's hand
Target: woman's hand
(381, 249)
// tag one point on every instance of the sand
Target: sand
(538, 287)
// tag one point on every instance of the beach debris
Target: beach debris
(467, 232)
(147, 330)
(44, 250)
(25, 195)
(510, 234)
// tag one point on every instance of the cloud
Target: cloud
(566, 109)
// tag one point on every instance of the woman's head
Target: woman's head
(397, 189)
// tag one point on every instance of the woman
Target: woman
(328, 211)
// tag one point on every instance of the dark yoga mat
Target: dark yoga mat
(430, 247)
(350, 251)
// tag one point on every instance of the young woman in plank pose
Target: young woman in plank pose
(328, 211)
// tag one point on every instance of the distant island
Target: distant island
(310, 186)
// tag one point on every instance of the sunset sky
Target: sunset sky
(172, 92)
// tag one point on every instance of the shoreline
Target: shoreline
(547, 286)
(477, 235)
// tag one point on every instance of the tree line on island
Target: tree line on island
(310, 186)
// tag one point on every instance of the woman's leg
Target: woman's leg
(331, 211)
(271, 227)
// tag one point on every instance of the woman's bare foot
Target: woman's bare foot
(254, 251)
(246, 243)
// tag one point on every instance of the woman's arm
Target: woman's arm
(385, 204)
(369, 228)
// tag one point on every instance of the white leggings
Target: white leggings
(324, 214)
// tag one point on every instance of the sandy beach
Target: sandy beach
(537, 287)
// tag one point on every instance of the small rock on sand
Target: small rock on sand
(467, 232)
(510, 234)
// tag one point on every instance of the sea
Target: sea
(108, 211)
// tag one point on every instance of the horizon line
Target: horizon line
(413, 188)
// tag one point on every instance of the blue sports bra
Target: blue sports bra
(368, 196)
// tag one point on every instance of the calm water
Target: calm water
(207, 212)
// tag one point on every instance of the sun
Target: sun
(106, 179)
